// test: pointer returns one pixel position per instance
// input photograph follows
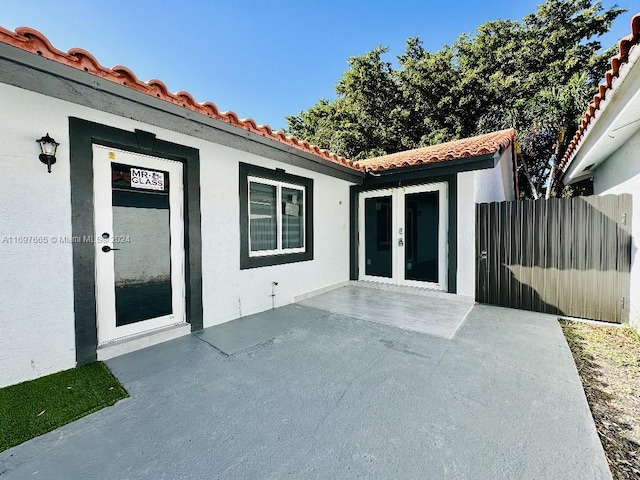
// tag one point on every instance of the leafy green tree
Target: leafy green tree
(361, 121)
(536, 75)
(551, 68)
(428, 85)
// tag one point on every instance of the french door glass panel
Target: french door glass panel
(378, 232)
(421, 249)
(403, 236)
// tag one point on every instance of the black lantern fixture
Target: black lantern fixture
(48, 146)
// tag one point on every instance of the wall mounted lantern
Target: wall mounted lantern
(48, 146)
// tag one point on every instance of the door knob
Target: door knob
(107, 249)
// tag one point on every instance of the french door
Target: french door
(139, 243)
(403, 236)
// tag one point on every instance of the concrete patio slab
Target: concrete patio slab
(339, 397)
(246, 332)
(419, 310)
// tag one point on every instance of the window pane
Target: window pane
(421, 228)
(142, 267)
(292, 218)
(377, 236)
(262, 217)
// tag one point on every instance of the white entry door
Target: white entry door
(403, 236)
(139, 243)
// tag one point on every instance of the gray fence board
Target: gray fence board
(566, 256)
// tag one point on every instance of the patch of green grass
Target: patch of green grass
(38, 406)
(605, 342)
(569, 331)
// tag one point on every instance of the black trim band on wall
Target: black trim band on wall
(400, 180)
(82, 135)
(278, 175)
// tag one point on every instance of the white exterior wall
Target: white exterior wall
(466, 278)
(36, 298)
(496, 184)
(231, 292)
(37, 334)
(620, 173)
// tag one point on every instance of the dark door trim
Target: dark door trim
(82, 134)
(452, 236)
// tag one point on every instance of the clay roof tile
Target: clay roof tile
(618, 61)
(35, 42)
(456, 150)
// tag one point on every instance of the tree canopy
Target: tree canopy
(536, 75)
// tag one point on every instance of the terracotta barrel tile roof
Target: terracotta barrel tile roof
(605, 89)
(456, 150)
(33, 41)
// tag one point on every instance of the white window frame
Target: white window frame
(398, 231)
(279, 250)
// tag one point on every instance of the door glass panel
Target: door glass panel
(141, 233)
(263, 226)
(377, 225)
(421, 236)
(292, 217)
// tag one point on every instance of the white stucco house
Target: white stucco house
(162, 216)
(607, 145)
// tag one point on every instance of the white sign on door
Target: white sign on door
(147, 179)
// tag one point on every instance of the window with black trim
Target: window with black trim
(276, 217)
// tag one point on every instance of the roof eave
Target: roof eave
(613, 123)
(571, 167)
(62, 70)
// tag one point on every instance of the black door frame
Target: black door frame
(82, 135)
(427, 173)
(452, 234)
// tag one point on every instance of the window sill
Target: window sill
(247, 262)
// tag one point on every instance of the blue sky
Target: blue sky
(263, 60)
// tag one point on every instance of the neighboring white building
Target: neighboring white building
(607, 145)
(163, 216)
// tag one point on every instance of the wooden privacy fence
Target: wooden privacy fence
(566, 256)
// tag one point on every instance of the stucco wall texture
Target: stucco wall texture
(36, 301)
